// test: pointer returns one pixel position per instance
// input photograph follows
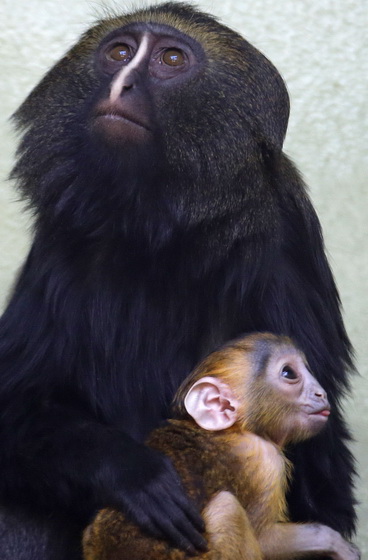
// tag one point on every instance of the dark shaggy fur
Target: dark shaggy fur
(142, 262)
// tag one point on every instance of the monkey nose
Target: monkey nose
(128, 75)
(318, 393)
(130, 80)
(126, 87)
(122, 83)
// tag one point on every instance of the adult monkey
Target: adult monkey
(167, 220)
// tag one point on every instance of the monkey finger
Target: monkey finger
(176, 525)
(183, 514)
(191, 512)
(168, 531)
(171, 494)
(172, 510)
(159, 523)
(162, 528)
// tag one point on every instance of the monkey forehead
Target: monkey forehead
(257, 349)
(288, 352)
(203, 28)
(138, 29)
(276, 349)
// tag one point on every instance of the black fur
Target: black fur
(143, 262)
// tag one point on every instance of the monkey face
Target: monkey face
(140, 65)
(298, 406)
(169, 82)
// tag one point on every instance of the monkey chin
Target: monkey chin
(313, 423)
(120, 130)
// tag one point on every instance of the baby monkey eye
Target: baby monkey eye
(173, 57)
(288, 373)
(120, 53)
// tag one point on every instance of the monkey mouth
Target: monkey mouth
(323, 412)
(115, 114)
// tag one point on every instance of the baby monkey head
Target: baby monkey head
(260, 383)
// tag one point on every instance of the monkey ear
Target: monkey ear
(212, 404)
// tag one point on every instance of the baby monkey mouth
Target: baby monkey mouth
(323, 411)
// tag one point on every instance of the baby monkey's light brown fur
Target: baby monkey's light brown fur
(232, 417)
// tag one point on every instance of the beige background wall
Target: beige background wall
(321, 48)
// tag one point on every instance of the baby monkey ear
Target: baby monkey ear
(212, 404)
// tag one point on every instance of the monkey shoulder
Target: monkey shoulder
(201, 458)
(254, 450)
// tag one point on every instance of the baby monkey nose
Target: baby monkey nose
(318, 393)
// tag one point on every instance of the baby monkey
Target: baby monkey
(232, 417)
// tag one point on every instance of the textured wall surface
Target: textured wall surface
(321, 48)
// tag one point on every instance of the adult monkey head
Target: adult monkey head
(167, 105)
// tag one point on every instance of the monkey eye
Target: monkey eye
(173, 57)
(288, 373)
(120, 53)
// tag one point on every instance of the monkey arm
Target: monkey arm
(231, 536)
(56, 458)
(285, 541)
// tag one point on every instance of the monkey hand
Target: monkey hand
(347, 551)
(339, 548)
(150, 493)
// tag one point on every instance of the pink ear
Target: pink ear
(212, 404)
